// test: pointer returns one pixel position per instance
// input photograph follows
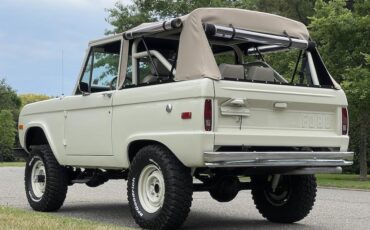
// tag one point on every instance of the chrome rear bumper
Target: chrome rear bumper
(277, 159)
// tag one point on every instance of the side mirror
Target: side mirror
(84, 88)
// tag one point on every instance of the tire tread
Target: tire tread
(297, 207)
(178, 189)
(56, 181)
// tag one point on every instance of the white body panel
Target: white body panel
(280, 115)
(87, 125)
(96, 130)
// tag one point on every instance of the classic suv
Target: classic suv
(193, 104)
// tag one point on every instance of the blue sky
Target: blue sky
(33, 34)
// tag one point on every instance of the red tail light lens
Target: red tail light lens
(344, 121)
(186, 115)
(208, 115)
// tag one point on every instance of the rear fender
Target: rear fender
(188, 147)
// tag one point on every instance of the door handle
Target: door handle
(108, 95)
(280, 105)
(237, 102)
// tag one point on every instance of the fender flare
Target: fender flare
(46, 131)
(179, 149)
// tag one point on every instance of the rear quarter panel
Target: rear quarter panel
(140, 114)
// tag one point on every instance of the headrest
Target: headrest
(260, 73)
(231, 71)
(149, 79)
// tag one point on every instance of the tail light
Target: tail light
(344, 121)
(186, 115)
(208, 115)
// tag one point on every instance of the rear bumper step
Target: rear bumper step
(277, 159)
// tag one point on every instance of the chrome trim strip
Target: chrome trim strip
(313, 170)
(277, 159)
(277, 92)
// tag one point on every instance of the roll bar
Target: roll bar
(153, 28)
(137, 55)
(272, 42)
(251, 36)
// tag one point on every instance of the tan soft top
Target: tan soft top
(195, 57)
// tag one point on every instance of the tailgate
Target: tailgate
(258, 114)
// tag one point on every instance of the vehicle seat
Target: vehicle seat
(231, 71)
(163, 72)
(259, 73)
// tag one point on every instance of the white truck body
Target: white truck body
(97, 130)
(167, 102)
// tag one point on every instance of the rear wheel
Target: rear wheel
(291, 200)
(159, 189)
(46, 182)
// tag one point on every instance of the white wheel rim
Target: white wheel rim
(38, 186)
(151, 188)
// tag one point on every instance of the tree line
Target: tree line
(10, 106)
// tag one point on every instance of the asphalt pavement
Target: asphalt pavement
(334, 208)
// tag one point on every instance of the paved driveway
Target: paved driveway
(334, 209)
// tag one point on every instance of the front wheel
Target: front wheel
(159, 189)
(290, 201)
(46, 182)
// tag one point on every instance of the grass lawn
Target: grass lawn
(342, 181)
(16, 219)
(12, 164)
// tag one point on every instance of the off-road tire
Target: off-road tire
(225, 189)
(296, 206)
(177, 183)
(56, 180)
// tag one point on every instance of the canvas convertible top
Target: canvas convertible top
(195, 57)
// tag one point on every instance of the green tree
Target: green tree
(31, 98)
(9, 99)
(357, 85)
(342, 36)
(295, 9)
(7, 135)
(9, 110)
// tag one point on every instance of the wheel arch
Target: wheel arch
(187, 147)
(136, 145)
(37, 134)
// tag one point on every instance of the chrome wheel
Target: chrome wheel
(38, 180)
(151, 188)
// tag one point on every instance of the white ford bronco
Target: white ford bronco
(193, 104)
